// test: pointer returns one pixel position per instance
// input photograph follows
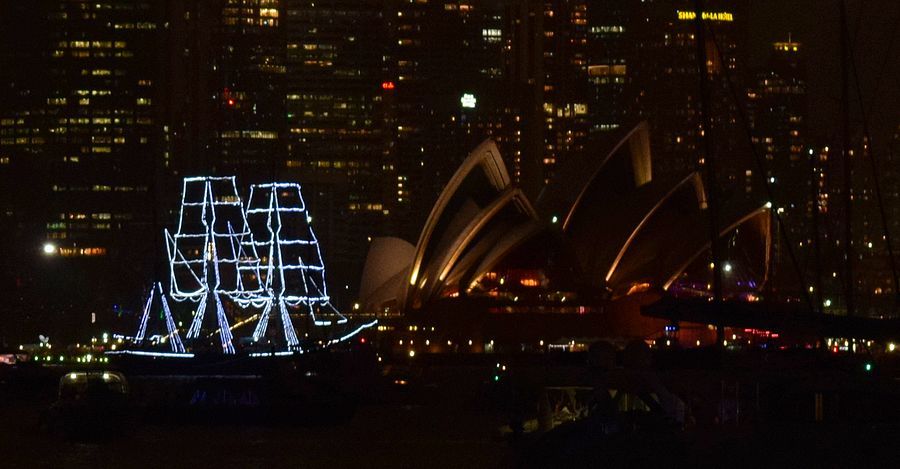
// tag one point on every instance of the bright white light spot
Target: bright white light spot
(727, 267)
(468, 100)
(554, 219)
(49, 248)
(412, 353)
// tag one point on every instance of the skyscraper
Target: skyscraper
(777, 106)
(225, 78)
(445, 73)
(337, 136)
(79, 137)
(776, 102)
(664, 86)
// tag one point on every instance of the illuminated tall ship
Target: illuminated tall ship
(227, 257)
(292, 272)
(206, 255)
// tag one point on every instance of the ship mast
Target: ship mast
(203, 253)
(709, 164)
(845, 156)
(293, 268)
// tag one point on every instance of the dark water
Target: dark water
(453, 416)
(382, 435)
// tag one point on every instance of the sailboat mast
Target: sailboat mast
(817, 240)
(709, 164)
(845, 155)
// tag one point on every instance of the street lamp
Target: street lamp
(49, 249)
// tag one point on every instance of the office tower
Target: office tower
(777, 107)
(337, 141)
(664, 86)
(444, 81)
(575, 76)
(796, 174)
(225, 77)
(79, 140)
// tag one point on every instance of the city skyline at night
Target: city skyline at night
(371, 105)
(449, 233)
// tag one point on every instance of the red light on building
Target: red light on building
(230, 102)
(387, 85)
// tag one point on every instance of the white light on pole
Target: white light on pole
(49, 248)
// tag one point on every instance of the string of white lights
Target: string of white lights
(263, 323)
(206, 263)
(273, 200)
(201, 267)
(150, 354)
(287, 325)
(282, 209)
(274, 354)
(289, 333)
(196, 323)
(224, 330)
(174, 339)
(142, 328)
(343, 319)
(353, 333)
(174, 289)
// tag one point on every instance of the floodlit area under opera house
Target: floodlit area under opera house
(604, 237)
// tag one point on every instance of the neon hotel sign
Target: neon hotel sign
(706, 15)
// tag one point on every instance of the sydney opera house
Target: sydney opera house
(604, 237)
